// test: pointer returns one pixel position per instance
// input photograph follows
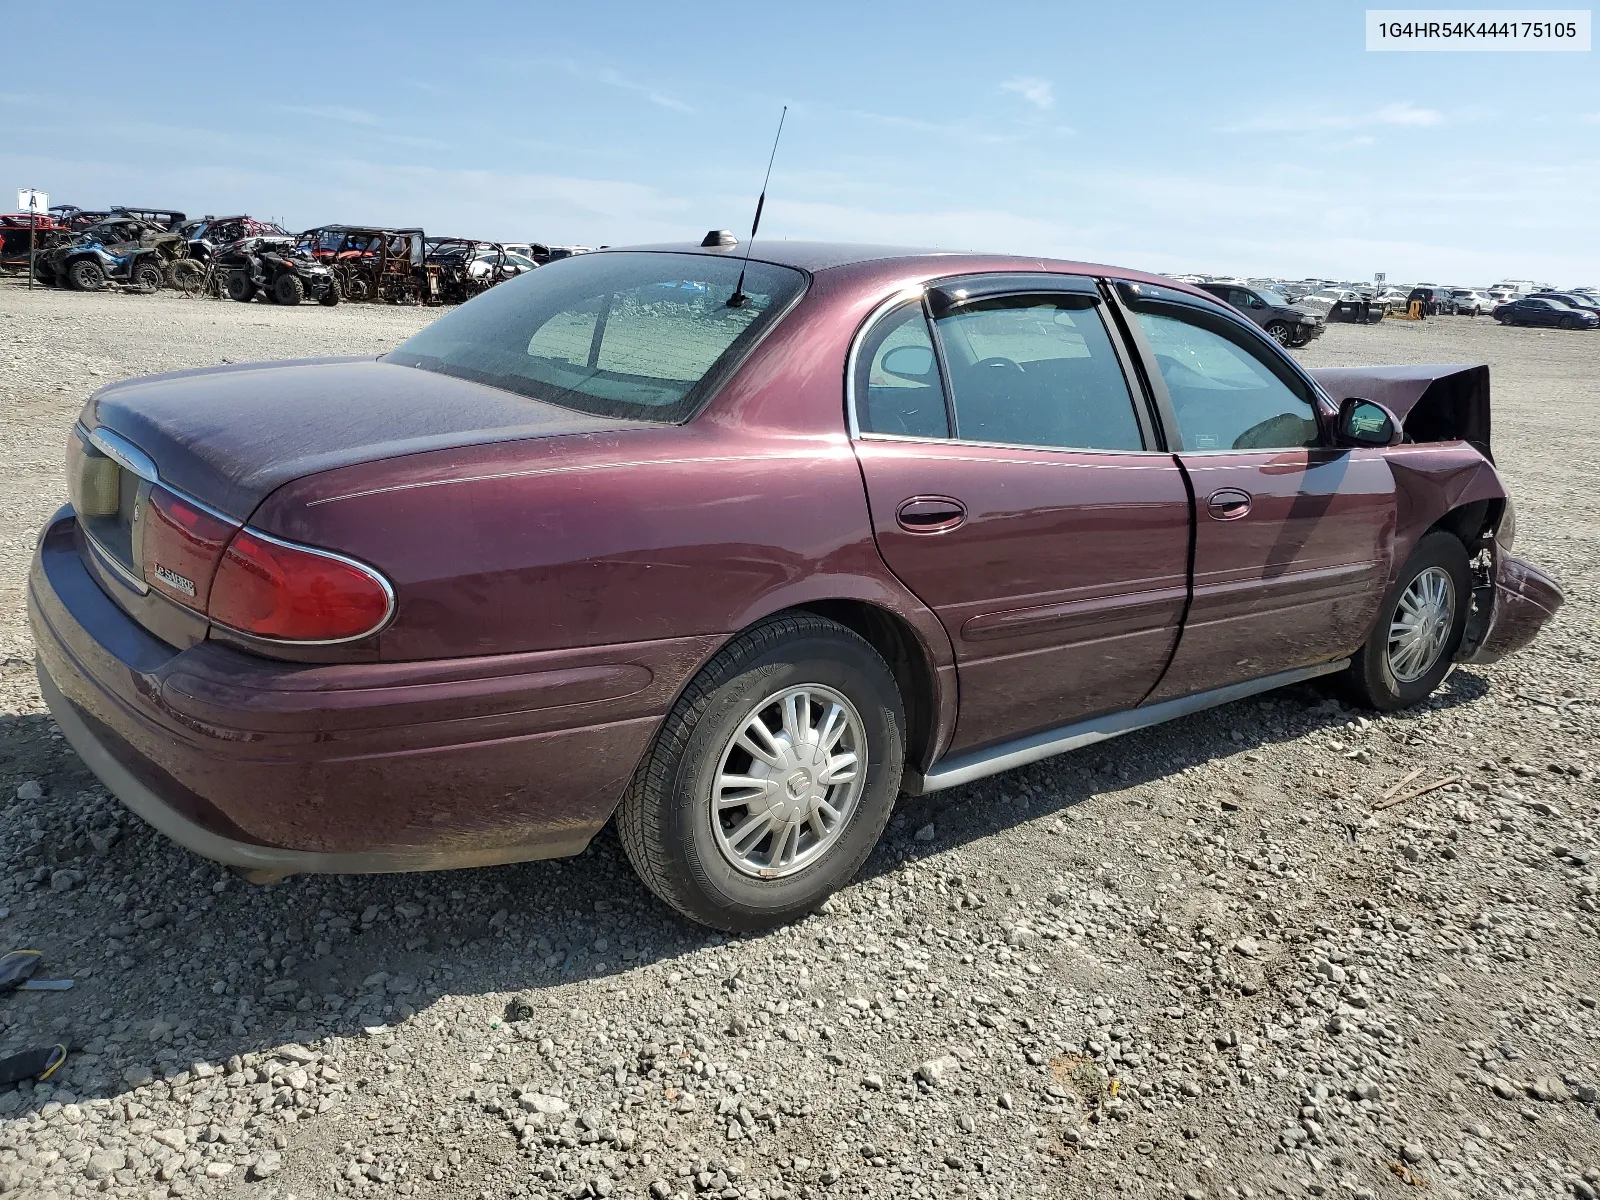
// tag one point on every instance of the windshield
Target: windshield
(635, 335)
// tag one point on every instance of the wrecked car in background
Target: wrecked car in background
(1286, 323)
(208, 234)
(275, 269)
(732, 553)
(374, 264)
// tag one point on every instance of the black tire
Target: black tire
(185, 275)
(148, 276)
(1569, 322)
(330, 295)
(241, 287)
(665, 820)
(86, 275)
(287, 289)
(1370, 680)
(1280, 332)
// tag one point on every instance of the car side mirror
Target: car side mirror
(909, 362)
(1366, 423)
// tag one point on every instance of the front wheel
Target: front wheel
(148, 277)
(1279, 332)
(287, 289)
(241, 287)
(1569, 322)
(771, 779)
(86, 275)
(1418, 630)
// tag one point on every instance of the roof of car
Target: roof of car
(831, 256)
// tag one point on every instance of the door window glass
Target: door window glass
(1224, 395)
(1037, 371)
(897, 379)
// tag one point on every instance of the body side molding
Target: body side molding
(964, 768)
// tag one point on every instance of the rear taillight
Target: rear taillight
(272, 589)
(181, 545)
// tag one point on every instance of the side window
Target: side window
(1224, 394)
(1037, 371)
(897, 379)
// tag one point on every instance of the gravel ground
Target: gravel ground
(1193, 962)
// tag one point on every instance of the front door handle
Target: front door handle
(930, 514)
(1228, 504)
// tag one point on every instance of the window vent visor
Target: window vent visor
(282, 592)
(1070, 291)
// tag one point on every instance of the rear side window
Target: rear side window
(636, 335)
(897, 379)
(1037, 371)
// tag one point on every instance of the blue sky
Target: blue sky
(1250, 138)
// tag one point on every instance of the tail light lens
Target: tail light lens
(272, 589)
(182, 543)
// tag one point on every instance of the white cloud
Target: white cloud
(1038, 92)
(617, 80)
(1390, 114)
(329, 112)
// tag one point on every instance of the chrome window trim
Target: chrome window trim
(365, 568)
(904, 296)
(857, 435)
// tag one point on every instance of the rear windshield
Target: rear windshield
(637, 335)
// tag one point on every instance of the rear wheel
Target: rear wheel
(148, 276)
(241, 287)
(771, 779)
(330, 294)
(1280, 332)
(185, 275)
(86, 275)
(287, 289)
(1419, 628)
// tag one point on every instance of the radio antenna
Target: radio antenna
(738, 298)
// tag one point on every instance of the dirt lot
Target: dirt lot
(1193, 962)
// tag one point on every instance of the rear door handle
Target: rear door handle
(930, 514)
(1228, 504)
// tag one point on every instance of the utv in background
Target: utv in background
(373, 263)
(275, 269)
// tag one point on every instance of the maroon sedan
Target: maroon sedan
(735, 556)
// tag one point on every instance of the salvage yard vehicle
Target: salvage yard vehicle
(87, 264)
(209, 234)
(1285, 323)
(374, 263)
(734, 552)
(1470, 302)
(1540, 310)
(25, 235)
(276, 269)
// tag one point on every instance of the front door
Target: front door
(1015, 489)
(1293, 538)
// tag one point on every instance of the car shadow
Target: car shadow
(176, 961)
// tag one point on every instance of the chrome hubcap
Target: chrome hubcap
(1421, 624)
(788, 782)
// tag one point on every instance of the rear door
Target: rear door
(1017, 487)
(1294, 538)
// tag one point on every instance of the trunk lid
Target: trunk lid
(163, 470)
(228, 436)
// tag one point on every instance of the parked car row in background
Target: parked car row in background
(1295, 311)
(244, 258)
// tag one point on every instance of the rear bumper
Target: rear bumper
(292, 768)
(1524, 599)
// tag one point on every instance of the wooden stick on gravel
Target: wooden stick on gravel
(1407, 779)
(1391, 801)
